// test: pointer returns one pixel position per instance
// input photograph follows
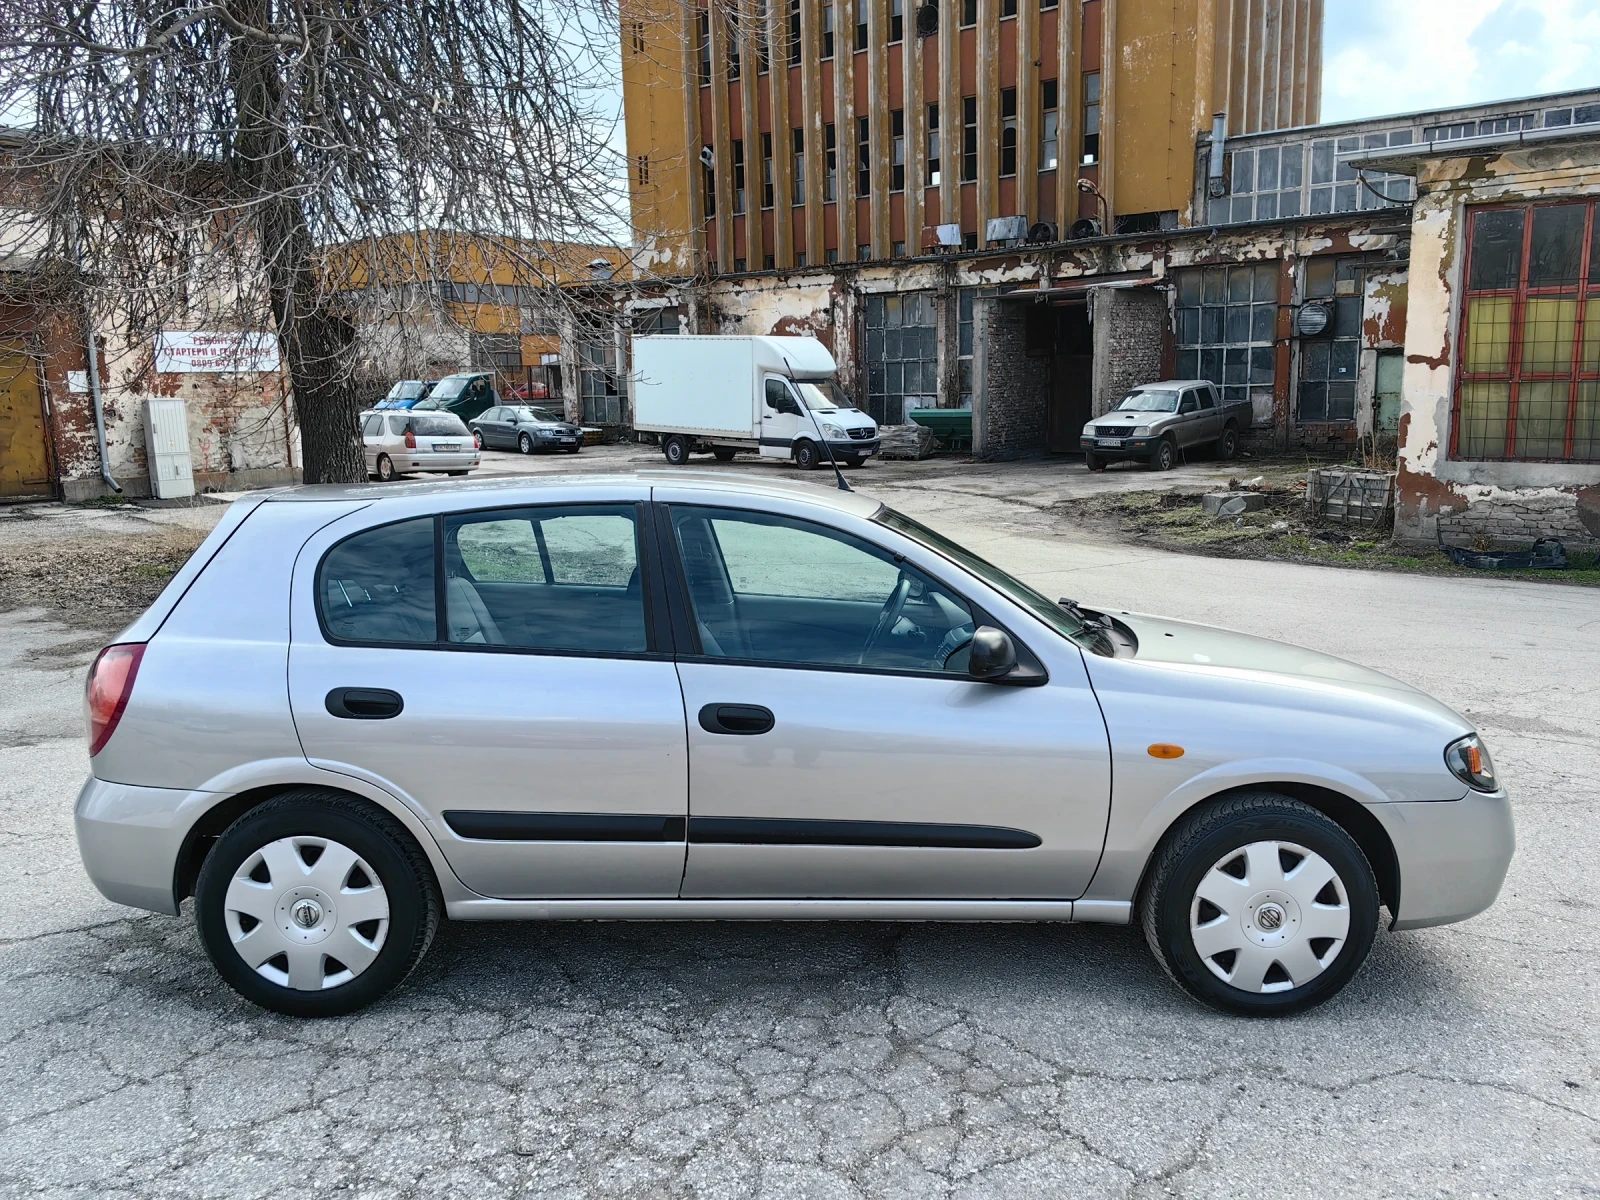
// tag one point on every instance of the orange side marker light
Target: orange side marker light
(1166, 750)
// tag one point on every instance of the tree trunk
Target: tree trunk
(316, 340)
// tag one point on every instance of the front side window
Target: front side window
(377, 585)
(548, 578)
(1528, 382)
(778, 590)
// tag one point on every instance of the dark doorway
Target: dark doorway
(1071, 378)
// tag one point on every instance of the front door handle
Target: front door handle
(744, 719)
(365, 704)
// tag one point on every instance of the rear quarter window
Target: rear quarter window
(378, 585)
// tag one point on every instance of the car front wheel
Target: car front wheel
(315, 904)
(525, 444)
(806, 455)
(1260, 905)
(1165, 457)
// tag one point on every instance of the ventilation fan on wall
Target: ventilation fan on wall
(1314, 319)
(927, 20)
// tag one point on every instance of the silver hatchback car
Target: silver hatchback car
(399, 443)
(356, 711)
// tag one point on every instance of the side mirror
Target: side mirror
(993, 656)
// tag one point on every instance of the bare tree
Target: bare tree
(280, 164)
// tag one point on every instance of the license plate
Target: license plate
(1112, 442)
(446, 447)
(568, 441)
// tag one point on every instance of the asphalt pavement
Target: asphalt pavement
(852, 1060)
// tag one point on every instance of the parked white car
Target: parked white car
(399, 443)
(358, 710)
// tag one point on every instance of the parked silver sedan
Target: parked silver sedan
(400, 443)
(687, 696)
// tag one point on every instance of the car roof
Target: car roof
(1167, 384)
(550, 487)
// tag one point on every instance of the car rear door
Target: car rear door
(831, 756)
(502, 672)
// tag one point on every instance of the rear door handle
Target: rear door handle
(365, 704)
(744, 719)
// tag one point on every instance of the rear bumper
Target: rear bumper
(1453, 855)
(406, 461)
(129, 838)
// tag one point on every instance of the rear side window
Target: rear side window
(547, 578)
(1207, 398)
(372, 426)
(377, 586)
(397, 425)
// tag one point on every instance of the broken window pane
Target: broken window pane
(1496, 248)
(1266, 282)
(1313, 402)
(1556, 246)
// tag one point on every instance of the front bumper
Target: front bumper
(1129, 447)
(865, 447)
(129, 838)
(1453, 855)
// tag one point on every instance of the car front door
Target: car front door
(536, 723)
(780, 418)
(1188, 422)
(490, 427)
(837, 747)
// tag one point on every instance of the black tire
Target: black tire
(1166, 455)
(455, 473)
(525, 444)
(381, 841)
(386, 471)
(676, 449)
(806, 455)
(852, 460)
(724, 455)
(1093, 461)
(1202, 840)
(573, 449)
(1228, 444)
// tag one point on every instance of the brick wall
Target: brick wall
(1129, 327)
(1514, 522)
(1009, 388)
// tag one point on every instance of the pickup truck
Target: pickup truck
(1157, 422)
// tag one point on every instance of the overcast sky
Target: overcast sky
(1390, 56)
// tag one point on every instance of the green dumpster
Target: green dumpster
(951, 426)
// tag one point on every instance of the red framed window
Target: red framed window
(1528, 383)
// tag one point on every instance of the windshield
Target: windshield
(448, 388)
(539, 414)
(436, 424)
(822, 396)
(1015, 590)
(406, 389)
(1149, 402)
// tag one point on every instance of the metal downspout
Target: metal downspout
(94, 369)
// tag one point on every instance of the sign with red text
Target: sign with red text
(233, 353)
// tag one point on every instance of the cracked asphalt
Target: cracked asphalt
(851, 1059)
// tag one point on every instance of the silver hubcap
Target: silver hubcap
(1269, 917)
(306, 913)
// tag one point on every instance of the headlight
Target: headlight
(1142, 431)
(832, 431)
(1468, 760)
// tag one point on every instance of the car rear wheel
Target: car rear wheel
(525, 444)
(806, 455)
(1260, 905)
(1165, 457)
(676, 449)
(477, 438)
(723, 455)
(386, 470)
(1228, 444)
(315, 904)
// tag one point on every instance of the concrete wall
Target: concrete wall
(1508, 502)
(1010, 388)
(1129, 327)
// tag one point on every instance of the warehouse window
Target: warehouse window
(1091, 118)
(969, 138)
(830, 164)
(1528, 384)
(1049, 124)
(861, 25)
(902, 355)
(799, 166)
(897, 150)
(897, 20)
(597, 383)
(730, 33)
(644, 169)
(794, 33)
(933, 145)
(702, 33)
(964, 328)
(827, 31)
(1328, 364)
(710, 176)
(863, 157)
(766, 170)
(763, 44)
(1008, 8)
(738, 176)
(1008, 131)
(969, 13)
(1227, 331)
(637, 29)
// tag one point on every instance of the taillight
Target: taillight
(110, 685)
(411, 440)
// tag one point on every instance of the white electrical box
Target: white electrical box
(166, 440)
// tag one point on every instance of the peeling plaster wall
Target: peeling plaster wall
(1500, 502)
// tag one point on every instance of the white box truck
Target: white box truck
(722, 394)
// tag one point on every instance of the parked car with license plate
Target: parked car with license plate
(1158, 423)
(399, 443)
(526, 429)
(466, 394)
(406, 393)
(689, 697)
